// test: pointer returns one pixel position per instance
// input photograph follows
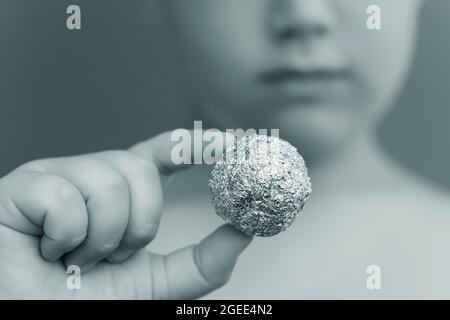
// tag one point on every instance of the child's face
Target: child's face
(308, 67)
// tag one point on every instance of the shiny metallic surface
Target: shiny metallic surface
(260, 185)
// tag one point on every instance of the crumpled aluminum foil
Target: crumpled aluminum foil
(260, 185)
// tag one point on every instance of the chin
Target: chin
(317, 134)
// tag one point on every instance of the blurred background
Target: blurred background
(111, 85)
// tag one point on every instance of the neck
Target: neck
(361, 165)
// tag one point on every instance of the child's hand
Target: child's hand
(84, 209)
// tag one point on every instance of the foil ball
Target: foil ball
(260, 185)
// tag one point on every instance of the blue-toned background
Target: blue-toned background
(109, 86)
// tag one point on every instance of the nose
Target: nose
(300, 20)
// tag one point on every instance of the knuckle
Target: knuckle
(67, 201)
(143, 233)
(104, 248)
(76, 240)
(113, 181)
(107, 177)
(64, 192)
(70, 238)
(69, 235)
(146, 167)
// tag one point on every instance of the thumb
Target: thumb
(196, 270)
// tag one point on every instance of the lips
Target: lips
(287, 75)
(310, 84)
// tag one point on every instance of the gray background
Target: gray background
(109, 86)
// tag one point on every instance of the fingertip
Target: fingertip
(217, 254)
(49, 256)
(235, 239)
(52, 250)
(120, 256)
(68, 262)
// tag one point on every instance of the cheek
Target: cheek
(382, 58)
(223, 73)
(221, 57)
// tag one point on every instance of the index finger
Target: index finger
(179, 149)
